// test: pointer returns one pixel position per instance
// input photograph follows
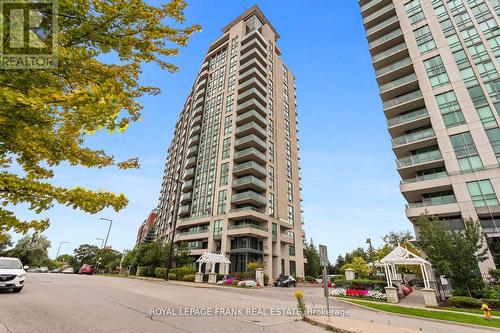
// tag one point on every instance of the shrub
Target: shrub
(181, 271)
(362, 284)
(464, 302)
(172, 276)
(235, 282)
(266, 279)
(142, 271)
(188, 278)
(495, 275)
(246, 275)
(310, 279)
(492, 303)
(160, 272)
(299, 279)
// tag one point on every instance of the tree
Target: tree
(150, 236)
(395, 238)
(313, 265)
(455, 254)
(32, 250)
(64, 258)
(47, 114)
(86, 254)
(182, 255)
(109, 259)
(5, 243)
(359, 265)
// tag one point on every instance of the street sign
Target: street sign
(323, 255)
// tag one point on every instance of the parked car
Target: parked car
(285, 281)
(12, 274)
(86, 269)
(32, 269)
(56, 270)
(68, 270)
(42, 270)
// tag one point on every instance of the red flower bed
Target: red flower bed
(355, 292)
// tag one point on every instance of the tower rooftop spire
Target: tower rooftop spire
(249, 12)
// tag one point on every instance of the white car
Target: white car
(12, 274)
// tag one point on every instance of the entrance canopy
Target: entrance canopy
(212, 258)
(402, 256)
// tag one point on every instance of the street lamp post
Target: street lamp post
(176, 216)
(59, 248)
(102, 241)
(105, 241)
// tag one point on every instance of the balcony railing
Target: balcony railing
(249, 139)
(248, 208)
(399, 82)
(249, 127)
(252, 115)
(412, 137)
(247, 225)
(379, 12)
(249, 180)
(393, 67)
(385, 38)
(249, 165)
(193, 232)
(389, 52)
(414, 95)
(250, 151)
(448, 199)
(430, 176)
(370, 4)
(249, 195)
(429, 156)
(407, 117)
(382, 25)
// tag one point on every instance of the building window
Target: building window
(217, 227)
(271, 204)
(234, 45)
(221, 207)
(271, 177)
(290, 214)
(228, 124)
(226, 148)
(293, 269)
(436, 72)
(463, 145)
(289, 169)
(414, 11)
(288, 147)
(494, 137)
(224, 171)
(423, 37)
(450, 109)
(229, 103)
(271, 130)
(291, 250)
(271, 152)
(289, 191)
(287, 128)
(270, 104)
(230, 85)
(482, 193)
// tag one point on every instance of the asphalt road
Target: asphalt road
(73, 303)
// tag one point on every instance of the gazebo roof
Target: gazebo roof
(213, 258)
(402, 256)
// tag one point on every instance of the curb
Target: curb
(325, 326)
(424, 318)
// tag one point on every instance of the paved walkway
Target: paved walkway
(415, 299)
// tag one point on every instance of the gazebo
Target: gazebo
(402, 256)
(212, 259)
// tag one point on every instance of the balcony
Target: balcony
(254, 35)
(250, 94)
(186, 197)
(407, 117)
(190, 162)
(413, 137)
(250, 70)
(397, 52)
(192, 151)
(187, 185)
(250, 154)
(247, 225)
(430, 156)
(196, 121)
(444, 200)
(191, 235)
(195, 130)
(399, 86)
(251, 116)
(184, 210)
(254, 84)
(249, 168)
(373, 5)
(422, 178)
(386, 41)
(253, 54)
(250, 182)
(194, 140)
(378, 16)
(382, 28)
(254, 43)
(394, 70)
(403, 103)
(189, 173)
(199, 101)
(286, 238)
(250, 141)
(198, 111)
(251, 104)
(251, 128)
(249, 197)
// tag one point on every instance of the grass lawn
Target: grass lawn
(455, 317)
(466, 310)
(360, 299)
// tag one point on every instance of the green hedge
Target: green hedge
(310, 278)
(181, 271)
(365, 284)
(142, 271)
(188, 278)
(160, 272)
(493, 303)
(464, 302)
(172, 276)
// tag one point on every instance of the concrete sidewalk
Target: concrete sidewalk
(349, 325)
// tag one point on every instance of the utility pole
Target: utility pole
(105, 241)
(369, 242)
(176, 216)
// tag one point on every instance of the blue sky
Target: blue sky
(350, 183)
